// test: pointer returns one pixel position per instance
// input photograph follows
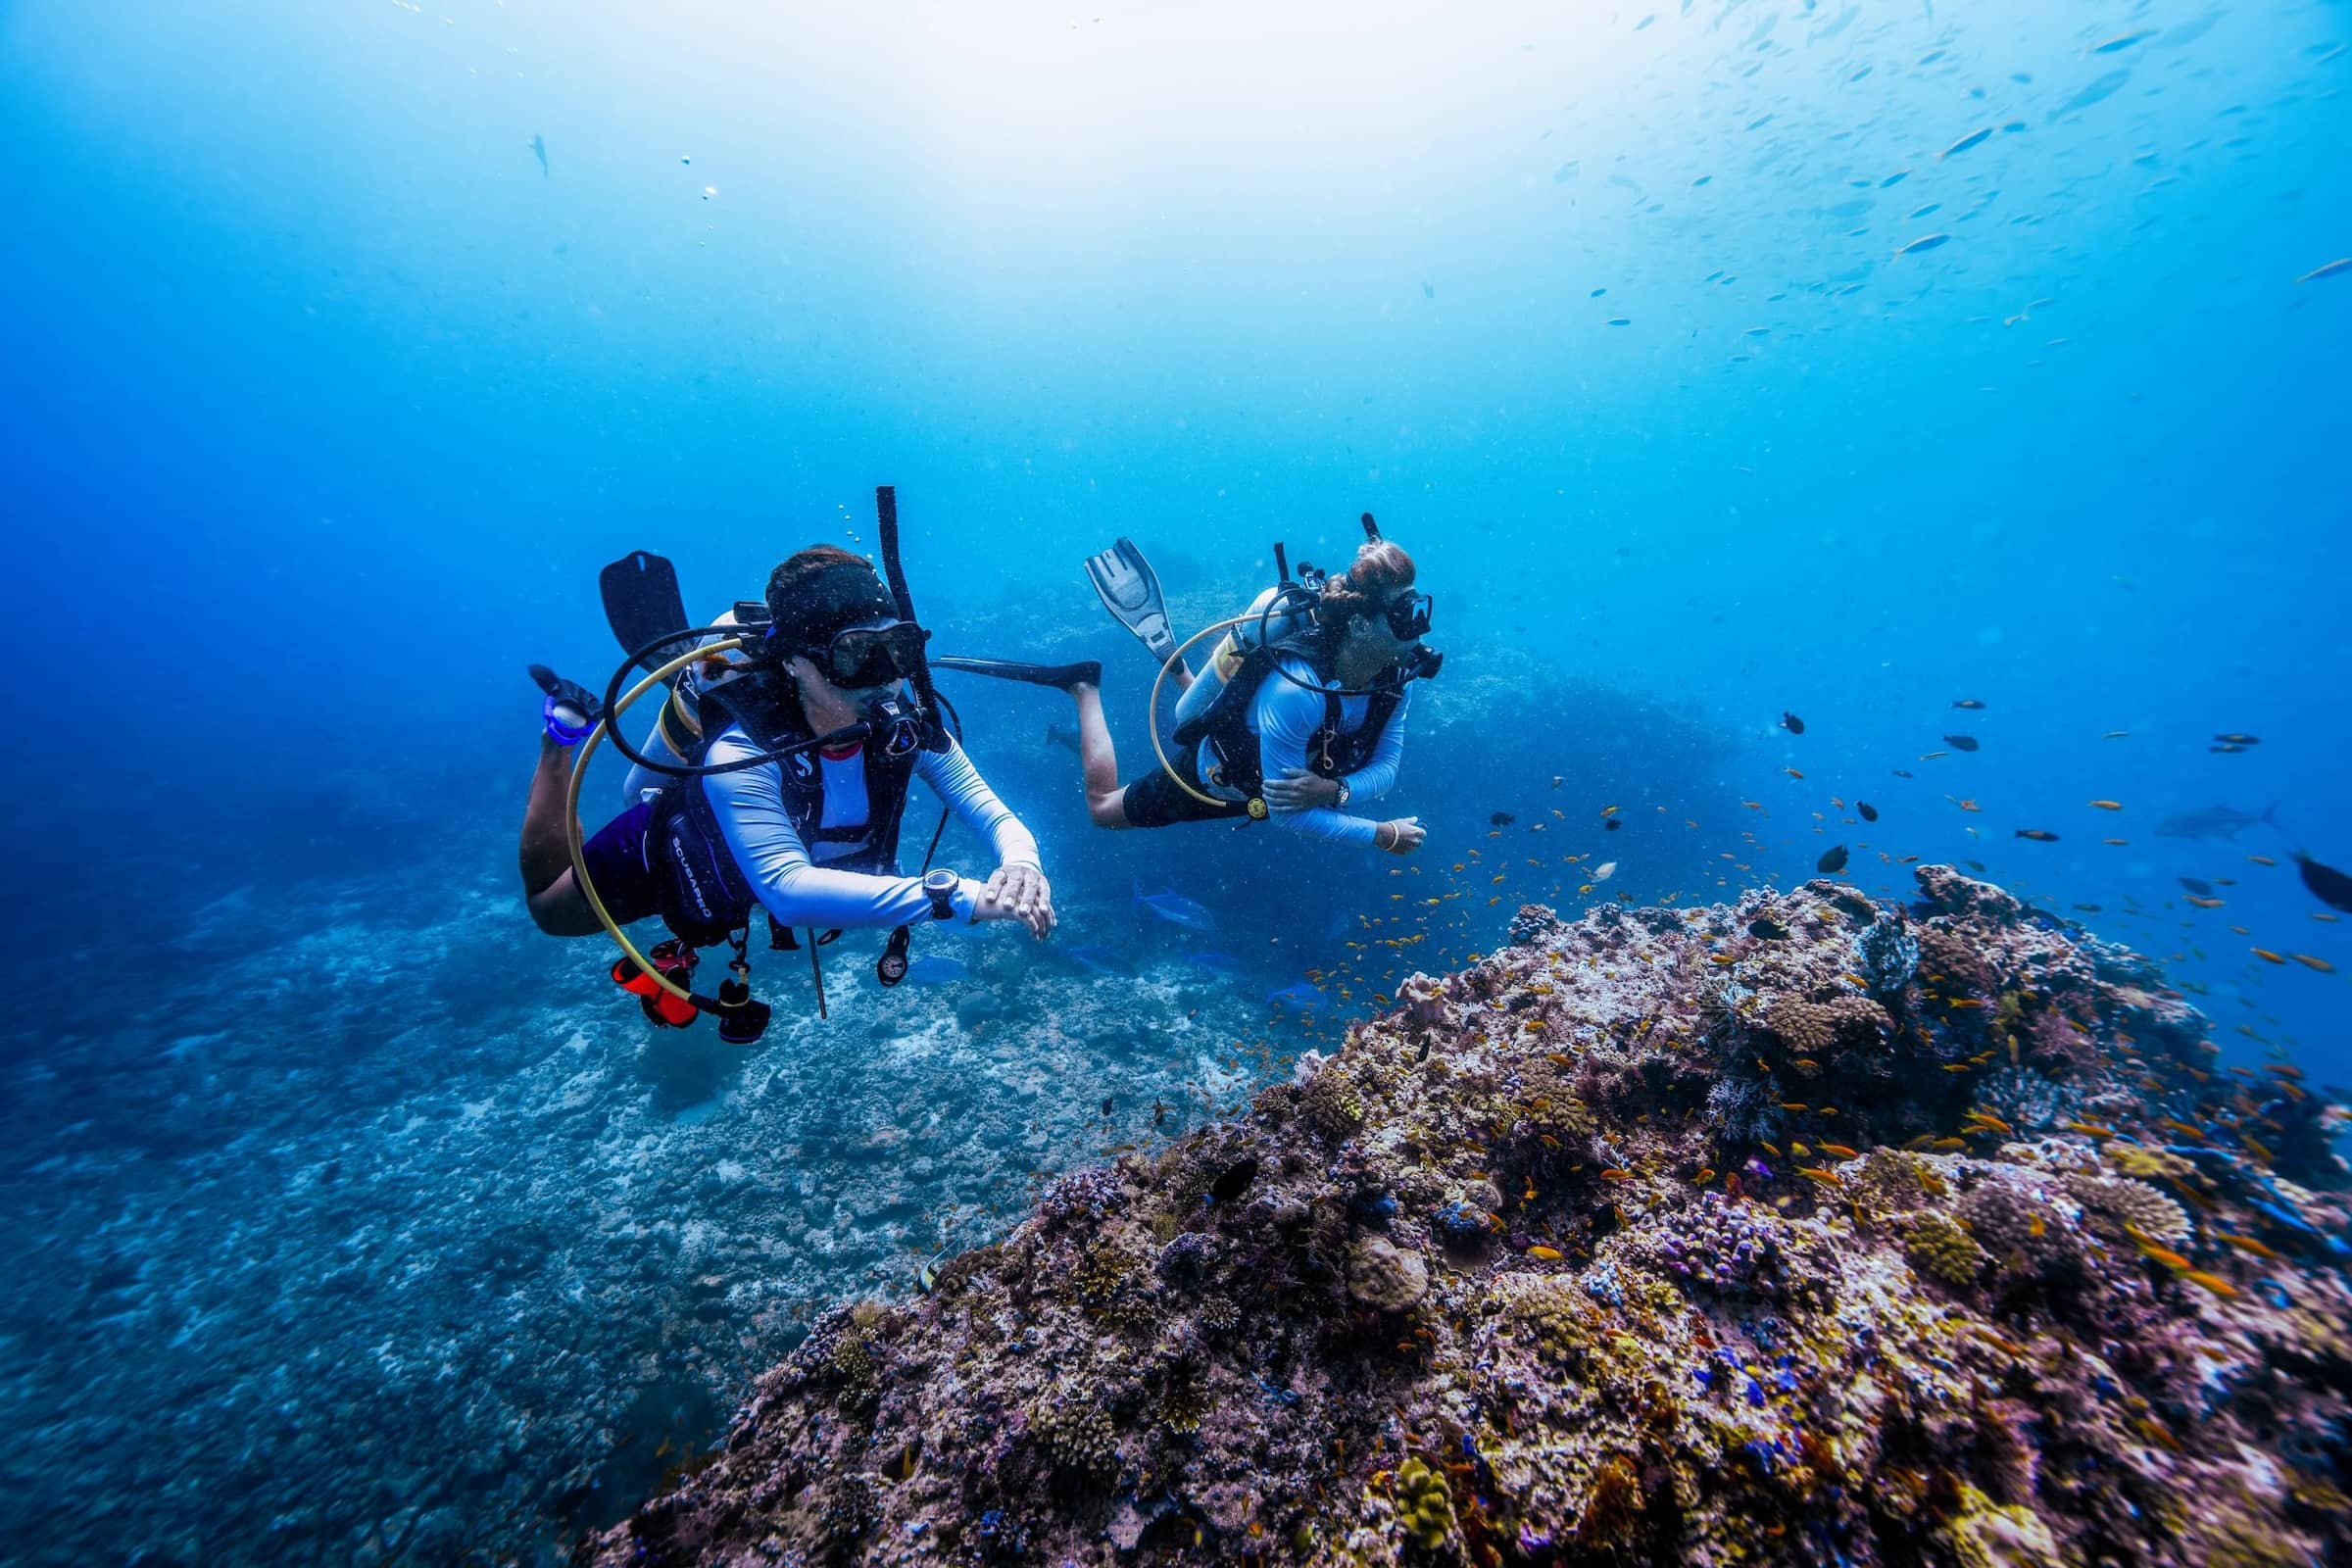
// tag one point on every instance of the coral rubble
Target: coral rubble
(1803, 1230)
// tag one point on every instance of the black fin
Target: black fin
(642, 603)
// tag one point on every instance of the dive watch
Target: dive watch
(1340, 799)
(940, 887)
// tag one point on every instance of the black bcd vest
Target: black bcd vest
(707, 894)
(1329, 754)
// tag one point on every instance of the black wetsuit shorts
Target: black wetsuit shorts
(1155, 801)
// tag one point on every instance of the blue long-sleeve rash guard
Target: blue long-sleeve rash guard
(796, 888)
(1285, 716)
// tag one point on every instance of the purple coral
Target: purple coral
(1724, 1246)
(1186, 1258)
(1092, 1193)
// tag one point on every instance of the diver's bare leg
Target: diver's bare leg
(1106, 801)
(556, 904)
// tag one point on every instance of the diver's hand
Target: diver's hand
(1399, 835)
(1023, 894)
(1298, 790)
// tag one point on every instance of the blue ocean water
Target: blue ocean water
(1714, 362)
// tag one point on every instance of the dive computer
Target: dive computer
(940, 887)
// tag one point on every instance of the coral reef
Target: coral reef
(1797, 1231)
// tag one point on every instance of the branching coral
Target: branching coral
(2132, 1202)
(1183, 1403)
(1092, 1194)
(1742, 1109)
(1076, 1433)
(1424, 1506)
(2024, 1099)
(1815, 1029)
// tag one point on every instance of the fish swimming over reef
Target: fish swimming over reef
(2211, 822)
(539, 151)
(1793, 724)
(1832, 860)
(1234, 1180)
(2329, 885)
(1177, 909)
(1962, 743)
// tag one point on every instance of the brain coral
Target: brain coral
(1381, 1275)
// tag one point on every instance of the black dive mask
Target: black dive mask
(864, 658)
(1409, 617)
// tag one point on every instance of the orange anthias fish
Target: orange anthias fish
(2309, 962)
(2212, 1282)
(1822, 1177)
(1838, 1151)
(2108, 806)
(1549, 1255)
(2267, 955)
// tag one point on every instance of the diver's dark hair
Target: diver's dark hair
(799, 573)
(820, 590)
(1380, 569)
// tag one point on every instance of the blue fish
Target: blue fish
(933, 971)
(2105, 88)
(1177, 909)
(1097, 959)
(1224, 963)
(539, 151)
(1297, 994)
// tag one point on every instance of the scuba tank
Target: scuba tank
(1274, 617)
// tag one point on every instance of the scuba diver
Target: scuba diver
(1298, 714)
(774, 779)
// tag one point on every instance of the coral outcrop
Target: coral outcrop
(1797, 1231)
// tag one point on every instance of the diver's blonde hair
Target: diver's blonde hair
(1380, 569)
